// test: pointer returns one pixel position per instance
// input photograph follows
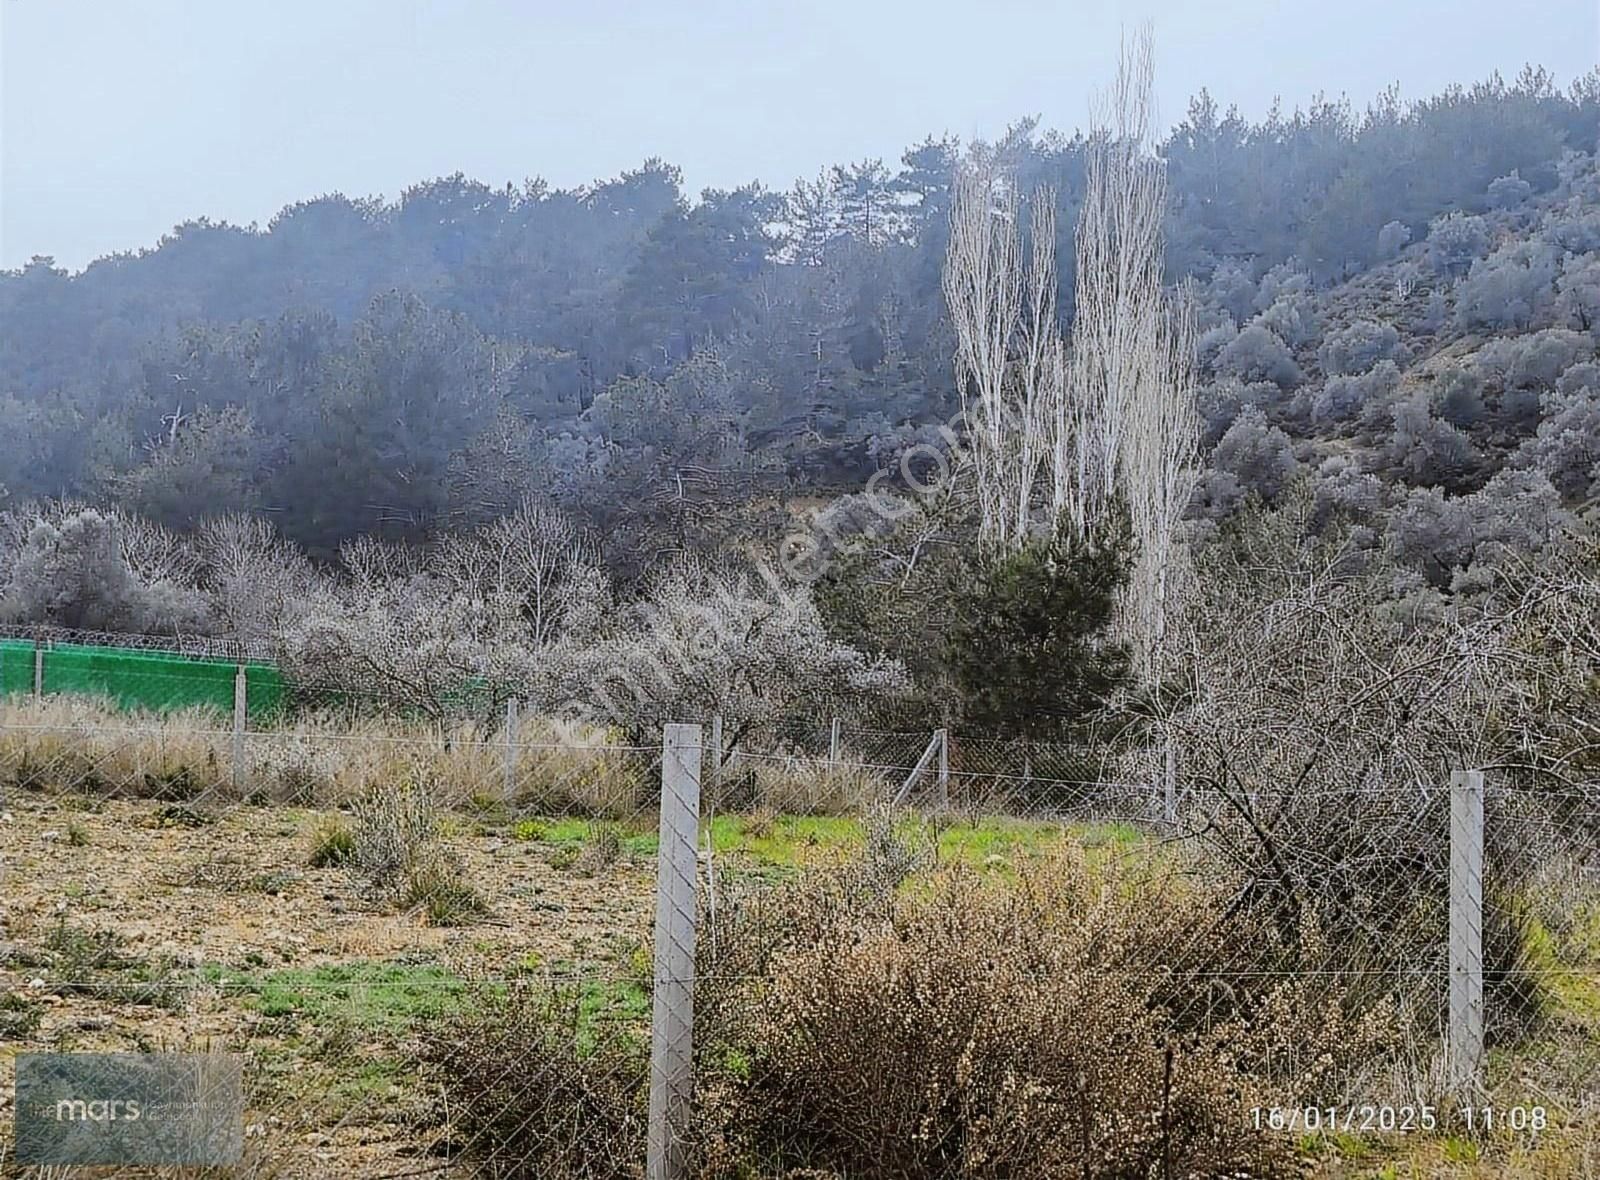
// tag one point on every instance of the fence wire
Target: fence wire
(431, 942)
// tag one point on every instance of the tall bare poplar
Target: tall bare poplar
(1133, 351)
(1064, 437)
(1009, 367)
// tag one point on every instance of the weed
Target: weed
(394, 822)
(332, 844)
(19, 1016)
(93, 963)
(530, 829)
(181, 815)
(601, 850)
(436, 887)
(368, 996)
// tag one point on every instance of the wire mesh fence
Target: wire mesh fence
(436, 944)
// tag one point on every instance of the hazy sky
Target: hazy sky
(119, 118)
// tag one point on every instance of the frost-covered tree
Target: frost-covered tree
(1222, 401)
(1435, 314)
(706, 638)
(1455, 240)
(1356, 347)
(1534, 362)
(1583, 375)
(1342, 490)
(69, 570)
(1284, 281)
(1211, 342)
(1424, 450)
(257, 583)
(1566, 446)
(408, 640)
(1258, 354)
(1232, 289)
(1393, 238)
(1507, 192)
(1457, 396)
(1511, 288)
(1578, 292)
(1257, 454)
(1366, 396)
(536, 567)
(1439, 534)
(1292, 318)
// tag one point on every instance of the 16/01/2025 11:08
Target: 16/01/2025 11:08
(1385, 1118)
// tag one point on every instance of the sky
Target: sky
(121, 118)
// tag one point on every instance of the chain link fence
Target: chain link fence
(437, 946)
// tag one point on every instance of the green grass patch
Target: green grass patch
(788, 840)
(785, 842)
(375, 996)
(1007, 839)
(572, 832)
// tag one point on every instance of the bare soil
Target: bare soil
(234, 900)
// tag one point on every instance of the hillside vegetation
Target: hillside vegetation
(1406, 294)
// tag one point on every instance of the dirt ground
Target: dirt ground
(139, 926)
(228, 915)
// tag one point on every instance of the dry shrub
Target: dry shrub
(394, 824)
(579, 780)
(436, 888)
(869, 1019)
(532, 1094)
(984, 1029)
(602, 848)
(396, 851)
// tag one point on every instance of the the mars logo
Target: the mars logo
(101, 1111)
(173, 1109)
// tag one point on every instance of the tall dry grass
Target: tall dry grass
(799, 786)
(82, 745)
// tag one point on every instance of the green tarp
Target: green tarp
(155, 680)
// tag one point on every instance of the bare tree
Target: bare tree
(1137, 429)
(154, 552)
(983, 290)
(1159, 469)
(535, 564)
(257, 582)
(1054, 440)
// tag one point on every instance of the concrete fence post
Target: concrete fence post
(241, 701)
(935, 745)
(1466, 926)
(833, 742)
(38, 670)
(944, 768)
(715, 775)
(1169, 783)
(509, 768)
(672, 1019)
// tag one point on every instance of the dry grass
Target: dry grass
(77, 744)
(806, 786)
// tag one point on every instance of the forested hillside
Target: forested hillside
(1400, 302)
